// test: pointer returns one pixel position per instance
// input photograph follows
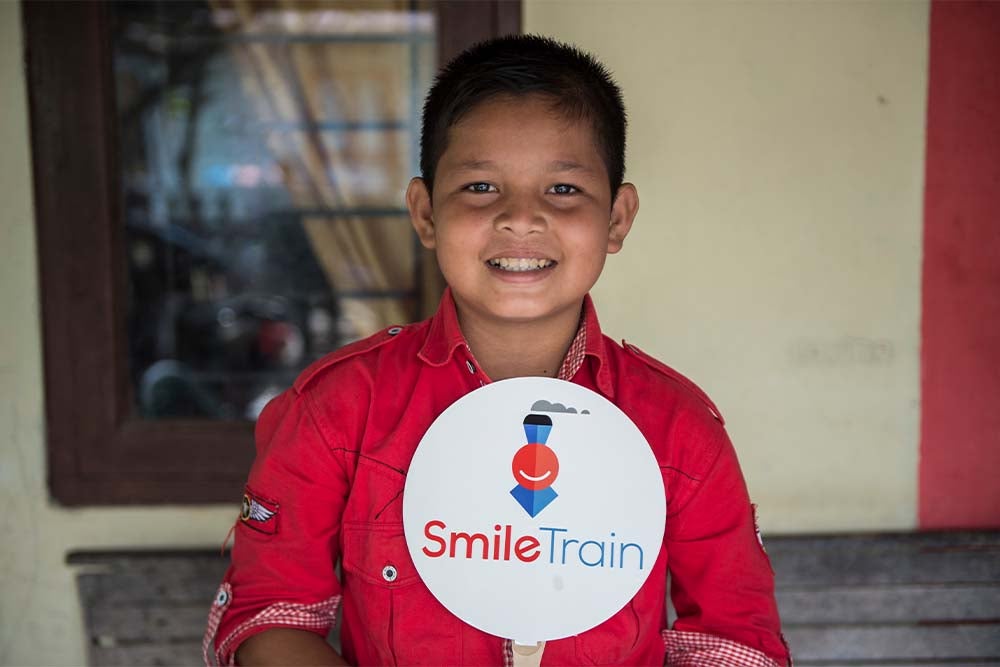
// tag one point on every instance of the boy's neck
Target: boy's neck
(520, 349)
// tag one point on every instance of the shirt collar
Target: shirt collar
(444, 336)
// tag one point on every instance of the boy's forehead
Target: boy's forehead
(498, 123)
(506, 109)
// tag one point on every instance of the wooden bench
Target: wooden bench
(916, 599)
(928, 599)
(146, 608)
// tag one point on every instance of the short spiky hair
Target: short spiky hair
(518, 65)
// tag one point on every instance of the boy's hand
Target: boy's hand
(286, 646)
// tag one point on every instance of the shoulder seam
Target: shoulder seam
(676, 377)
(344, 353)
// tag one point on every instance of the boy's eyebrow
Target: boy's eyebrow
(476, 165)
(569, 165)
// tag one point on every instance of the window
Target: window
(218, 196)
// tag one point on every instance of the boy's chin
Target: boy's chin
(524, 311)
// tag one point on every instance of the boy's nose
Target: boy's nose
(519, 217)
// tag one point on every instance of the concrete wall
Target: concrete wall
(778, 154)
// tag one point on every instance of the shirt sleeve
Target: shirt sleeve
(286, 545)
(722, 585)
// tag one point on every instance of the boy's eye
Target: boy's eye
(480, 188)
(563, 189)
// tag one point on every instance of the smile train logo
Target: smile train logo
(535, 467)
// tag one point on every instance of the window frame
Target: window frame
(98, 453)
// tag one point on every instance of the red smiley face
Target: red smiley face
(535, 467)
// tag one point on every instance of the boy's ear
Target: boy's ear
(418, 201)
(623, 211)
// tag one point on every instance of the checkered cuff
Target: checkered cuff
(319, 616)
(696, 649)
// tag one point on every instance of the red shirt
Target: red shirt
(327, 486)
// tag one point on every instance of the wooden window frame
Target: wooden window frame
(98, 452)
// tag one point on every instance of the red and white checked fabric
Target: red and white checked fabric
(317, 616)
(575, 354)
(219, 606)
(697, 649)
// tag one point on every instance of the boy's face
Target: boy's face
(522, 216)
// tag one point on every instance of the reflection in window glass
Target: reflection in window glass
(264, 152)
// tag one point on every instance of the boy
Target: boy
(522, 198)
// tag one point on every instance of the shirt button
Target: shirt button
(468, 364)
(394, 330)
(389, 573)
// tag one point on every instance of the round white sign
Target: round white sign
(533, 509)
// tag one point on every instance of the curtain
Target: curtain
(340, 119)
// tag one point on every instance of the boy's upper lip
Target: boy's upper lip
(526, 253)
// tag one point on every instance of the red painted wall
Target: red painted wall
(960, 375)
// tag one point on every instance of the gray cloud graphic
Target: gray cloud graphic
(545, 406)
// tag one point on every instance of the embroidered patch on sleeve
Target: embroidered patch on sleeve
(259, 513)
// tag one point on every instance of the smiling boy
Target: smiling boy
(521, 215)
(522, 198)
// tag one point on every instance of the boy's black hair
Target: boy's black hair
(577, 84)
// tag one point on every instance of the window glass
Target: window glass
(264, 149)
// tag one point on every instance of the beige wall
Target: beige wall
(778, 152)
(777, 149)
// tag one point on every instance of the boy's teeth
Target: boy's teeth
(520, 263)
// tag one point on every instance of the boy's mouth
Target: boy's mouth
(519, 264)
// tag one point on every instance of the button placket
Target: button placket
(471, 367)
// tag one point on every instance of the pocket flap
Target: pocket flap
(377, 553)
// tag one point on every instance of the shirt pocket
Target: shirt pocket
(403, 622)
(611, 642)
